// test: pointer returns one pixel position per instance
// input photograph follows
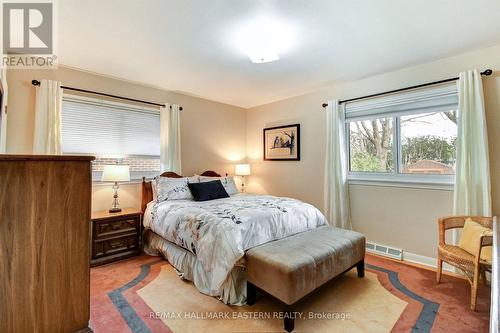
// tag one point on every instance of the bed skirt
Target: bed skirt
(233, 290)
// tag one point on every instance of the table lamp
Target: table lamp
(242, 170)
(116, 173)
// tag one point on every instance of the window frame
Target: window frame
(395, 178)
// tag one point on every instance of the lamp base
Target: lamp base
(115, 208)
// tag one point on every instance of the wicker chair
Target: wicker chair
(469, 263)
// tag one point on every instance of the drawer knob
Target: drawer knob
(116, 243)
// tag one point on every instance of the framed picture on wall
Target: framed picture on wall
(282, 143)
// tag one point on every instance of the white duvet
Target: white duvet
(219, 231)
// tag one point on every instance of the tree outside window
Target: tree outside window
(426, 143)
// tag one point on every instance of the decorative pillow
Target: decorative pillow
(174, 188)
(227, 182)
(471, 235)
(208, 190)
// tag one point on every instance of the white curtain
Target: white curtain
(3, 113)
(337, 209)
(170, 138)
(47, 133)
(472, 194)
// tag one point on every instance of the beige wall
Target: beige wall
(213, 137)
(212, 134)
(400, 217)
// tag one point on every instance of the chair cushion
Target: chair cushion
(471, 236)
(292, 267)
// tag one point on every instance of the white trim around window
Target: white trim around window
(433, 182)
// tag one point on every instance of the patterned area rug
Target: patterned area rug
(145, 295)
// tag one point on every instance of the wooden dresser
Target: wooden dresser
(44, 243)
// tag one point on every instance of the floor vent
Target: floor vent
(384, 250)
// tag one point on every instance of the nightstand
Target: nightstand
(115, 236)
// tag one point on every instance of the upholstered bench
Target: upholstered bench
(293, 267)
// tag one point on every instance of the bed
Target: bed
(206, 241)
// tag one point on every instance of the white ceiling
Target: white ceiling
(189, 45)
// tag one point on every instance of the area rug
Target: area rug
(145, 295)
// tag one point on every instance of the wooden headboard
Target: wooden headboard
(147, 189)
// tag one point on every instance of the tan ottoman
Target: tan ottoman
(293, 267)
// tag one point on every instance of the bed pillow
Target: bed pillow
(208, 190)
(154, 189)
(174, 188)
(471, 235)
(227, 182)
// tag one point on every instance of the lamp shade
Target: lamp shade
(242, 170)
(116, 173)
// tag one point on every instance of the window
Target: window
(428, 143)
(404, 137)
(113, 132)
(371, 145)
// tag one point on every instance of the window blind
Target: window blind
(440, 98)
(102, 128)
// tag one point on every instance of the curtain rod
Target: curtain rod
(487, 72)
(37, 83)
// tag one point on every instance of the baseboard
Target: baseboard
(412, 258)
(426, 261)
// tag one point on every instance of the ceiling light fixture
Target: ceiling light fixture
(263, 56)
(263, 39)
